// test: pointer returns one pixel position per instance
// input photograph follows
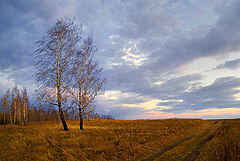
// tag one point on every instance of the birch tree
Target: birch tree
(87, 79)
(15, 92)
(3, 105)
(25, 108)
(53, 68)
(9, 105)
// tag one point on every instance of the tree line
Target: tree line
(16, 109)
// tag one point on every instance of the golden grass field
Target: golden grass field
(225, 146)
(105, 139)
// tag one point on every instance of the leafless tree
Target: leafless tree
(53, 67)
(19, 108)
(87, 79)
(3, 105)
(15, 92)
(9, 105)
(25, 105)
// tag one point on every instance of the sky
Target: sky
(162, 58)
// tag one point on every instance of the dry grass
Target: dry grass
(180, 152)
(101, 139)
(225, 146)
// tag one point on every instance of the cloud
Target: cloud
(147, 18)
(142, 45)
(203, 114)
(21, 77)
(220, 94)
(18, 33)
(233, 64)
(167, 56)
(5, 82)
(220, 39)
(114, 108)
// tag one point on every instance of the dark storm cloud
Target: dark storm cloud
(233, 64)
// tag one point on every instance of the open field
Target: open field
(113, 140)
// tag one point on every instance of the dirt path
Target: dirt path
(195, 152)
(163, 150)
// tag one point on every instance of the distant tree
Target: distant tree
(9, 105)
(54, 61)
(108, 117)
(15, 106)
(15, 111)
(97, 116)
(3, 105)
(25, 104)
(19, 111)
(19, 108)
(15, 92)
(87, 79)
(34, 114)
